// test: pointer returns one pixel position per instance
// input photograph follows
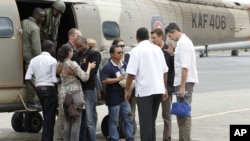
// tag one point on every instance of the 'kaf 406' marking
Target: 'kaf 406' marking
(203, 20)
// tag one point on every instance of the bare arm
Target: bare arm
(113, 80)
(90, 67)
(170, 49)
(84, 76)
(130, 78)
(165, 78)
(59, 68)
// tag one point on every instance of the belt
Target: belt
(45, 87)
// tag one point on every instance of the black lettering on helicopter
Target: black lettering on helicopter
(204, 20)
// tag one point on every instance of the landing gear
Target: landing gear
(205, 52)
(202, 54)
(105, 128)
(234, 52)
(17, 122)
(27, 121)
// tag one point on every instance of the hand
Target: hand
(121, 77)
(127, 95)
(165, 96)
(69, 71)
(59, 68)
(92, 65)
(170, 49)
(99, 96)
(181, 91)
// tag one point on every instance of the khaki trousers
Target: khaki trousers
(184, 124)
(166, 115)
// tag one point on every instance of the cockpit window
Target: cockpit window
(6, 27)
(237, 3)
(111, 30)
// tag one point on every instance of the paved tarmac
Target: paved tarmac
(221, 99)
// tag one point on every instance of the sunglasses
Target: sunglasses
(120, 45)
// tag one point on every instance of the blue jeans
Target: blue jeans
(124, 110)
(89, 116)
(48, 100)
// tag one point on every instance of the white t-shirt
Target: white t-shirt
(148, 65)
(43, 67)
(185, 58)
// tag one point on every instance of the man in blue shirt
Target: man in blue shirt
(112, 73)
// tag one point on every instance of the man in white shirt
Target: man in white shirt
(148, 67)
(185, 74)
(43, 68)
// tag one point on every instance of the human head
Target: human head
(81, 43)
(48, 46)
(157, 36)
(58, 8)
(142, 34)
(173, 31)
(118, 42)
(116, 52)
(65, 51)
(38, 14)
(72, 34)
(92, 43)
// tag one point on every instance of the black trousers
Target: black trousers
(148, 109)
(48, 100)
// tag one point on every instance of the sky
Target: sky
(242, 1)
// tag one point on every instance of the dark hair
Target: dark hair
(63, 52)
(158, 32)
(116, 41)
(171, 27)
(112, 49)
(47, 45)
(37, 11)
(81, 39)
(142, 34)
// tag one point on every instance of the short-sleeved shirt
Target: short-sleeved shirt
(148, 64)
(114, 92)
(185, 58)
(43, 67)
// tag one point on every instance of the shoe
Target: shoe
(32, 105)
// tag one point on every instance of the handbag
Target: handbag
(181, 108)
(78, 100)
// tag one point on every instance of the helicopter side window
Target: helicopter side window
(6, 27)
(111, 30)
